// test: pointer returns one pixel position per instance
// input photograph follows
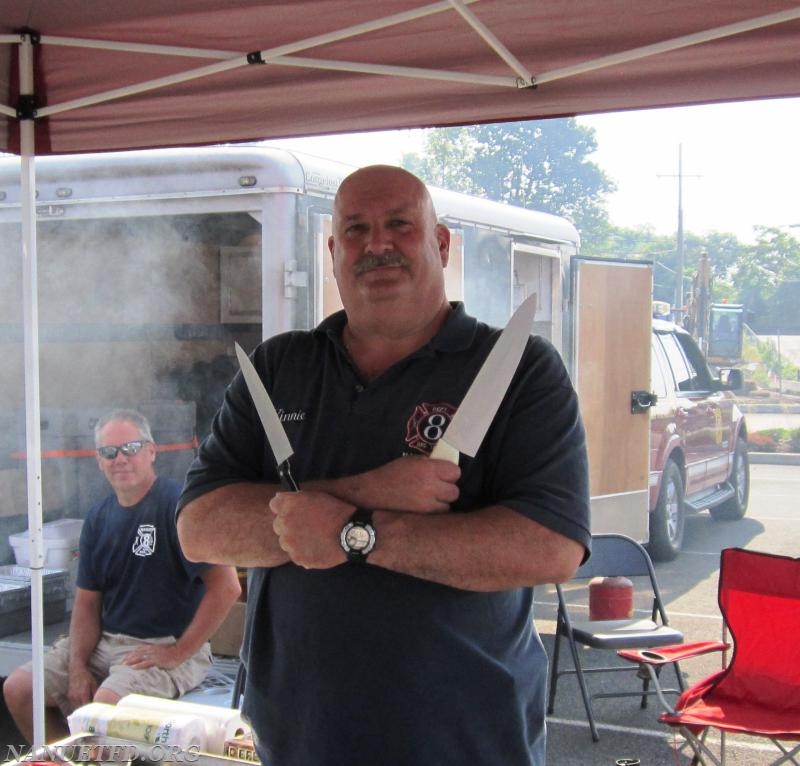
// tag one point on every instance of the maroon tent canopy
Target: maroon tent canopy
(348, 65)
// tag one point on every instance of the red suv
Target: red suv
(698, 441)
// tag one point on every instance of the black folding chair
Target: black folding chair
(612, 556)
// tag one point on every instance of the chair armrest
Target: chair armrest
(649, 661)
(660, 655)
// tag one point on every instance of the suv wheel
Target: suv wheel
(735, 508)
(667, 520)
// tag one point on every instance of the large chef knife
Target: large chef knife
(276, 435)
(479, 405)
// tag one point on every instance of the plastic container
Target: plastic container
(54, 587)
(610, 598)
(15, 608)
(60, 548)
(59, 544)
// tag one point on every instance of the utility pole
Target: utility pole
(679, 295)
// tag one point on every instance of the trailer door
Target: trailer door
(611, 311)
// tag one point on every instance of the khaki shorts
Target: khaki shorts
(105, 663)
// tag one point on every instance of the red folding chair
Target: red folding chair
(758, 692)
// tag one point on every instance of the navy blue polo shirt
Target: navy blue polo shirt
(357, 664)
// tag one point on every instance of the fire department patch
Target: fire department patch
(145, 542)
(427, 425)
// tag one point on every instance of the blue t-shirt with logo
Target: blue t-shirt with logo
(132, 556)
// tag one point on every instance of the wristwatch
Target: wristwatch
(358, 536)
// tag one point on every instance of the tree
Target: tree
(544, 165)
(767, 278)
(538, 164)
(724, 250)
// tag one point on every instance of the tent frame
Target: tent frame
(283, 56)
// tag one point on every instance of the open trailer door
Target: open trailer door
(612, 310)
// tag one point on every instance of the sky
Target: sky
(740, 164)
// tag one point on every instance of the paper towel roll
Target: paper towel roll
(150, 727)
(221, 723)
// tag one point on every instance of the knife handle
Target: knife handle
(285, 472)
(444, 451)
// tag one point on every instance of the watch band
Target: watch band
(362, 516)
(357, 537)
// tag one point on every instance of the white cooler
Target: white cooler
(59, 545)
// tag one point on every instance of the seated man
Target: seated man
(143, 613)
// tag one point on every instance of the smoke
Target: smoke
(129, 311)
(125, 305)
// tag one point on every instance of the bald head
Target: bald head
(375, 180)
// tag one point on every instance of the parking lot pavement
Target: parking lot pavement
(689, 589)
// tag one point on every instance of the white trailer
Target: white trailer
(151, 265)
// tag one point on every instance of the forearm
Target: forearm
(231, 525)
(211, 612)
(84, 630)
(491, 549)
(362, 490)
(405, 484)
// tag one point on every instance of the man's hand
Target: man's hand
(414, 484)
(153, 656)
(308, 524)
(82, 686)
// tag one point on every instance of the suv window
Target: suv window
(696, 361)
(685, 376)
(662, 381)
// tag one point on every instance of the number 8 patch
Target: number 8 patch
(427, 425)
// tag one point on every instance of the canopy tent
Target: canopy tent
(98, 76)
(147, 73)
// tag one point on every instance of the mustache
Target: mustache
(376, 261)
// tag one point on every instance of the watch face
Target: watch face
(357, 538)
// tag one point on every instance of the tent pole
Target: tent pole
(32, 404)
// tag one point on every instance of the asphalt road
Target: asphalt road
(688, 586)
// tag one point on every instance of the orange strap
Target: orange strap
(176, 447)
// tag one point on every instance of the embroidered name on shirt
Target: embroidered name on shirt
(284, 416)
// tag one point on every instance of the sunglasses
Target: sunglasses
(129, 449)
